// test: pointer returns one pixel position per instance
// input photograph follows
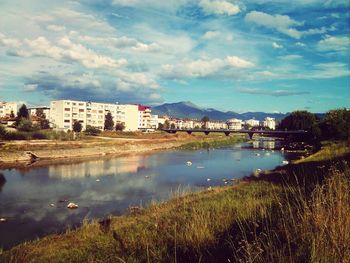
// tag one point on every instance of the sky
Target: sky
(251, 55)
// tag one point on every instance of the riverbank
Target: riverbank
(45, 152)
(260, 220)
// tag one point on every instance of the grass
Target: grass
(277, 220)
(212, 142)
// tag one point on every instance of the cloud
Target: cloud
(204, 67)
(291, 57)
(334, 43)
(276, 45)
(30, 87)
(282, 23)
(9, 42)
(274, 93)
(214, 35)
(67, 50)
(300, 44)
(55, 28)
(219, 7)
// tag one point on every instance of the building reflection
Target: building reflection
(129, 164)
(264, 144)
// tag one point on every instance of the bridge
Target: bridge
(227, 132)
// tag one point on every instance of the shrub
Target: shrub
(90, 130)
(2, 132)
(39, 136)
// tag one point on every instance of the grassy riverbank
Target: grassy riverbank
(298, 213)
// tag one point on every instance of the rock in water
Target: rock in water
(72, 206)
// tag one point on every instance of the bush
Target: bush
(119, 127)
(17, 136)
(2, 132)
(39, 136)
(27, 125)
(90, 130)
(77, 126)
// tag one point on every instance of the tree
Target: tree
(109, 123)
(301, 120)
(23, 112)
(119, 126)
(336, 124)
(2, 131)
(205, 120)
(12, 115)
(26, 125)
(44, 123)
(160, 126)
(166, 124)
(172, 126)
(77, 126)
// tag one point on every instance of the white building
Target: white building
(234, 124)
(6, 108)
(252, 122)
(270, 123)
(144, 117)
(154, 121)
(63, 113)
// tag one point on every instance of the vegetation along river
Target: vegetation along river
(34, 200)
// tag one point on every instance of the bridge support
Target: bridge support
(250, 135)
(206, 132)
(227, 133)
(189, 132)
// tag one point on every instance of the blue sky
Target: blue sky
(252, 55)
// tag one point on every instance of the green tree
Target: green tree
(26, 125)
(166, 124)
(205, 120)
(172, 126)
(119, 126)
(23, 112)
(336, 124)
(2, 131)
(77, 126)
(44, 123)
(12, 115)
(160, 126)
(109, 123)
(302, 120)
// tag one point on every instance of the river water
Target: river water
(33, 201)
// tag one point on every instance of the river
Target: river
(33, 200)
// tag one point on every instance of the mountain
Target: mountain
(187, 109)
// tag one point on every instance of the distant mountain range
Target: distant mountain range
(187, 109)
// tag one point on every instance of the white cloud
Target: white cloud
(334, 43)
(9, 41)
(55, 28)
(300, 44)
(211, 34)
(204, 67)
(239, 62)
(282, 23)
(66, 49)
(291, 57)
(30, 87)
(276, 45)
(220, 7)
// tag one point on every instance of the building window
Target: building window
(81, 110)
(66, 121)
(67, 109)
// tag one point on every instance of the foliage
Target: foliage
(44, 123)
(109, 123)
(90, 130)
(298, 120)
(172, 126)
(160, 126)
(39, 136)
(119, 126)
(2, 131)
(77, 126)
(23, 112)
(26, 125)
(12, 114)
(336, 124)
(204, 120)
(166, 124)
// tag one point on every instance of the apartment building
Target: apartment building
(144, 117)
(216, 125)
(63, 113)
(252, 122)
(6, 108)
(234, 124)
(270, 123)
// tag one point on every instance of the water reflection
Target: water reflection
(30, 199)
(264, 144)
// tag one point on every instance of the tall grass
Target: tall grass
(212, 142)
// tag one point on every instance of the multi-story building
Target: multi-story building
(234, 124)
(144, 117)
(270, 123)
(63, 113)
(216, 125)
(252, 122)
(154, 121)
(6, 108)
